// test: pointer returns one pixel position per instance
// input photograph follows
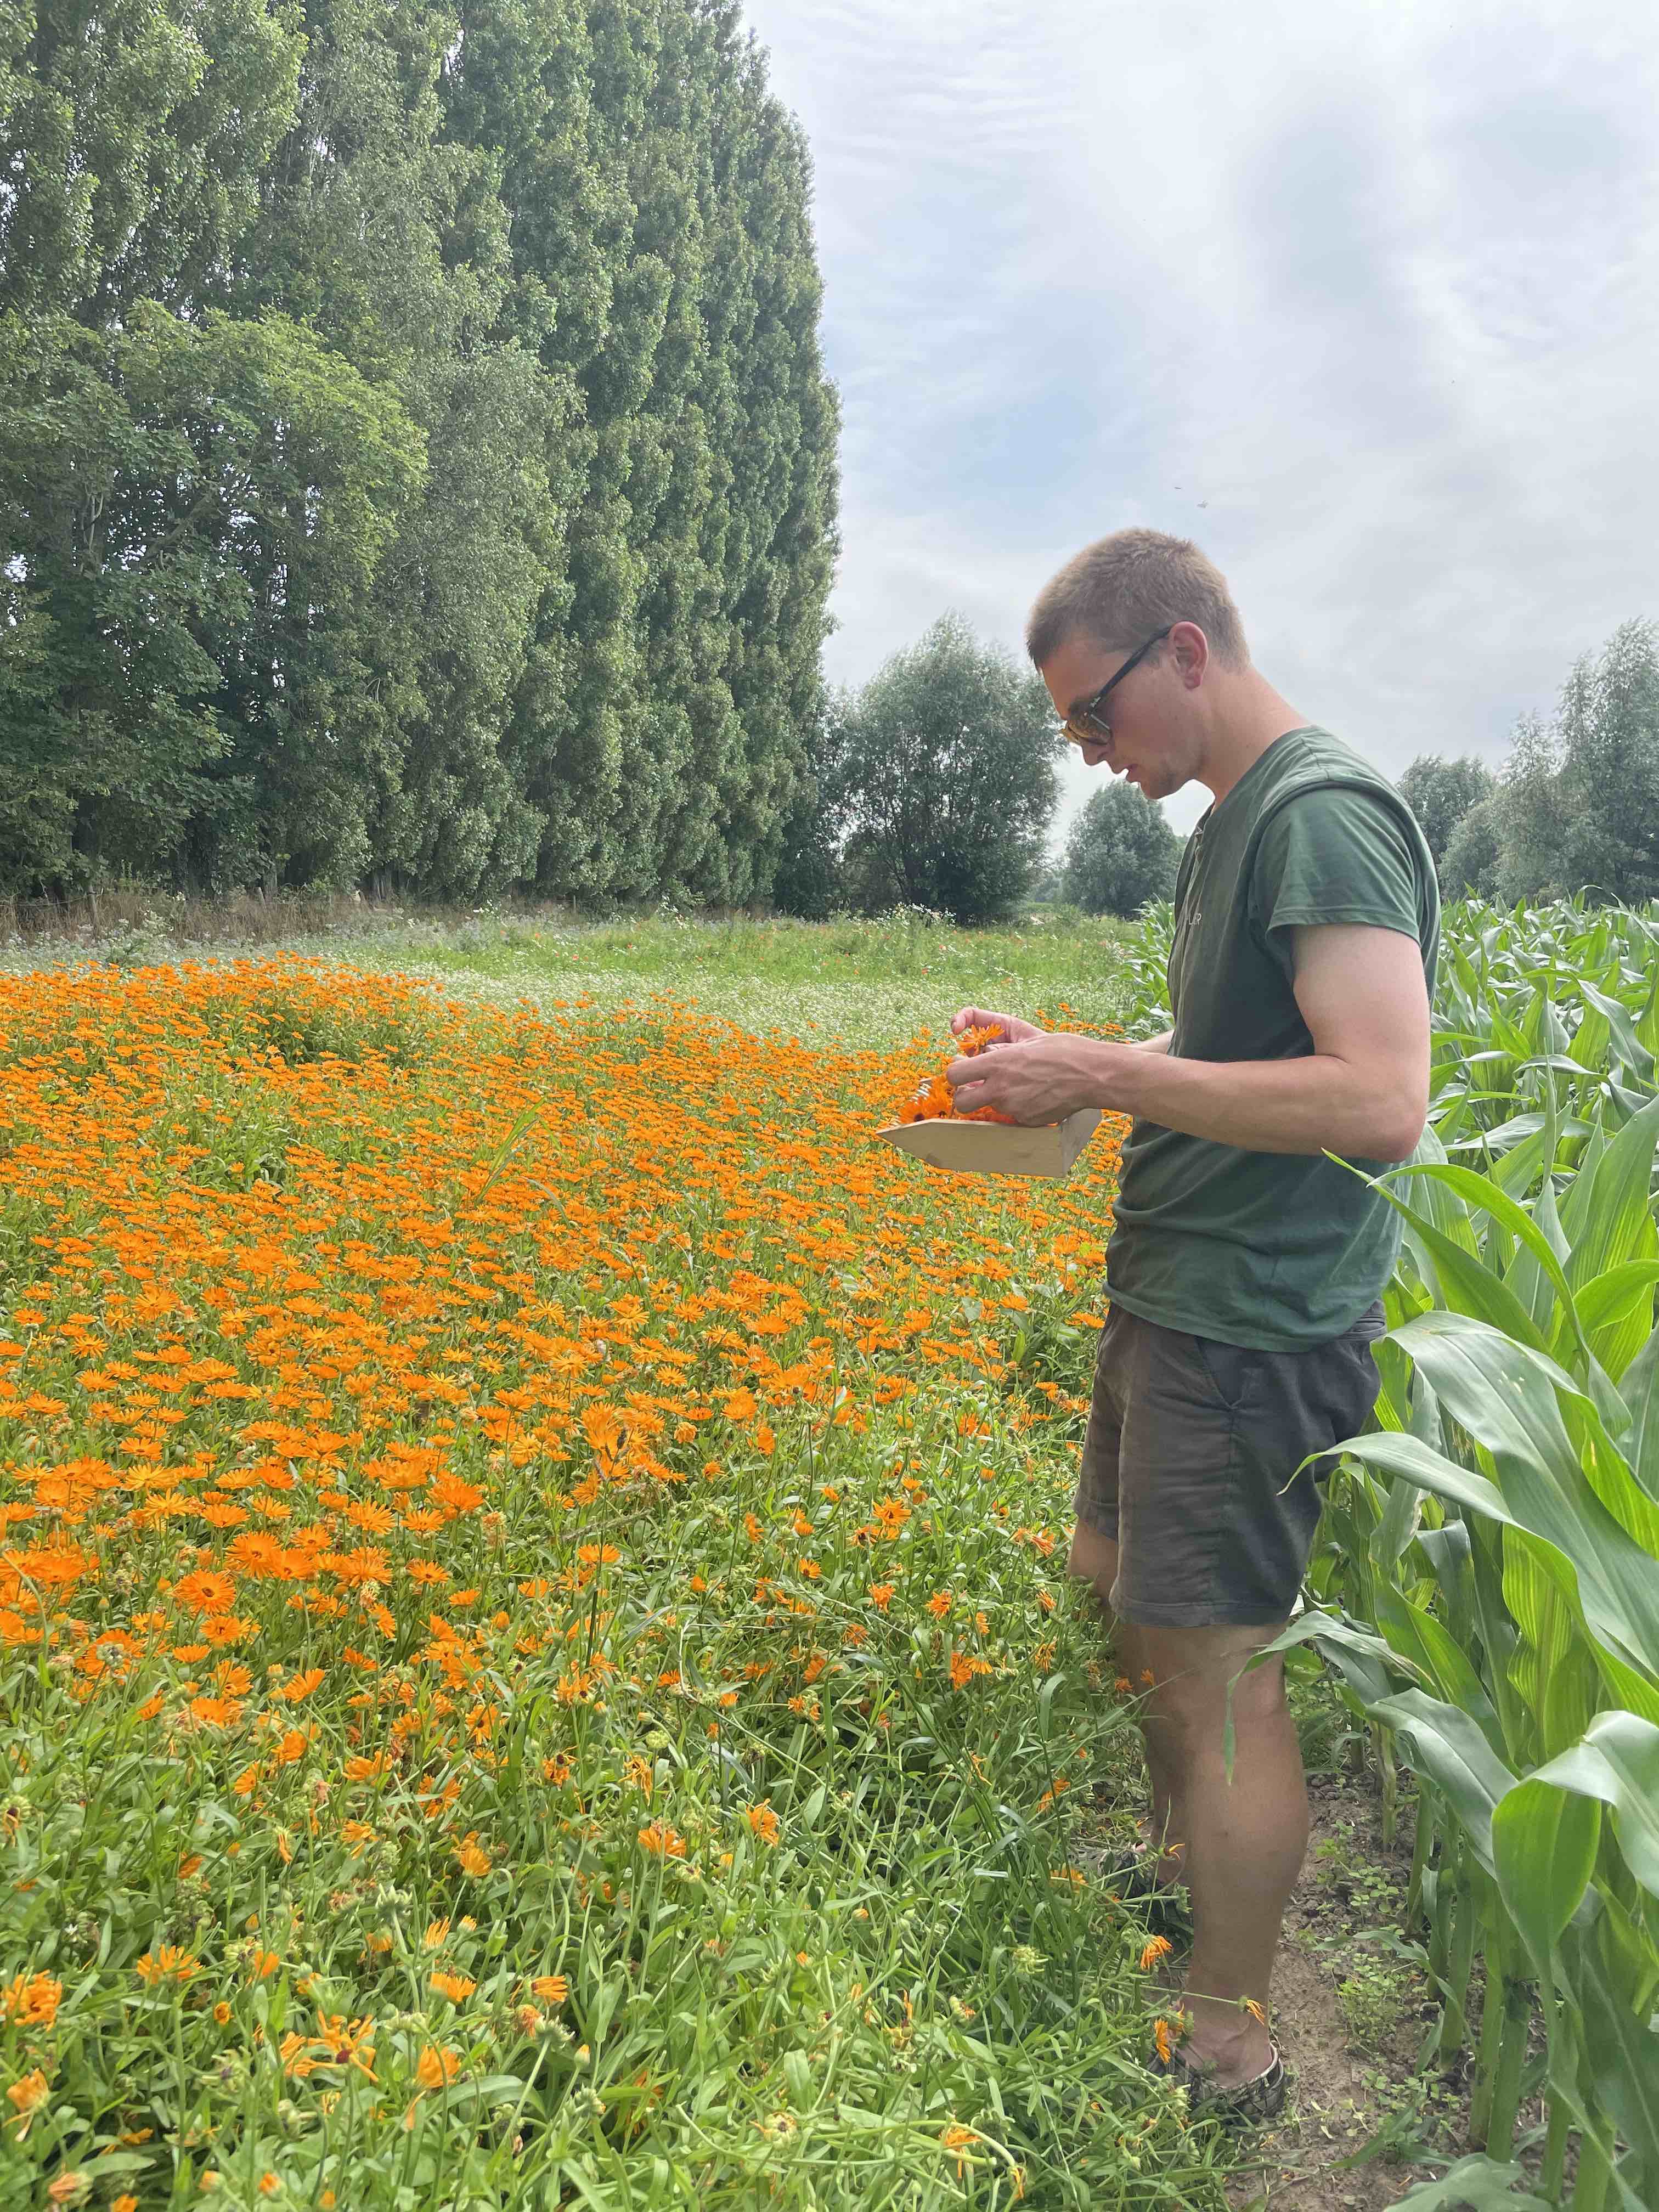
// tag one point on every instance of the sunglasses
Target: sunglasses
(1086, 725)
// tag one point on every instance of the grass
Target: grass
(853, 981)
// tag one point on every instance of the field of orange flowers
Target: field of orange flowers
(536, 1651)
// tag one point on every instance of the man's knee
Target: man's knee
(1196, 1672)
(1093, 1558)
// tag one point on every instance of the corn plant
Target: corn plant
(1486, 1583)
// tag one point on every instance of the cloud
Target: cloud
(1360, 298)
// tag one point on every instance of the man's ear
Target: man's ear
(1192, 653)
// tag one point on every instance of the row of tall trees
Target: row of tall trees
(1575, 807)
(416, 464)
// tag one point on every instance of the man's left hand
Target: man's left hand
(1041, 1080)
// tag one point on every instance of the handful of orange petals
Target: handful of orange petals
(935, 1101)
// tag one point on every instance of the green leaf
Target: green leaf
(799, 2074)
(1630, 1049)
(1532, 1283)
(1395, 1453)
(1623, 2053)
(1550, 1667)
(1515, 1171)
(1607, 1299)
(1543, 1841)
(1639, 1387)
(1476, 2184)
(1415, 1632)
(1398, 1525)
(1335, 1637)
(1617, 1760)
(1590, 1039)
(1448, 1748)
(1647, 1022)
(1440, 1200)
(1608, 1207)
(1480, 1191)
(1468, 1285)
(1504, 1394)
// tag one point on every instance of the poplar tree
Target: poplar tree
(416, 464)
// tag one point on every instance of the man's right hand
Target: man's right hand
(1014, 1031)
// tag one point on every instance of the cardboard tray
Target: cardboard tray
(993, 1147)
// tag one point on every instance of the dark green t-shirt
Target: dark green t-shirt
(1271, 1250)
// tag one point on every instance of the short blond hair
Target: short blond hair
(1124, 589)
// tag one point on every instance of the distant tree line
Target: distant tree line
(417, 466)
(1575, 807)
(936, 784)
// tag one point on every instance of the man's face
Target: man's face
(1150, 741)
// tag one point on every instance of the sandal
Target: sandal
(1246, 2104)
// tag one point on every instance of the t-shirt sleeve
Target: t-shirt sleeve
(1333, 856)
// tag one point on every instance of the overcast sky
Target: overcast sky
(1361, 294)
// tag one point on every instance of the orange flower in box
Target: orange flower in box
(935, 1101)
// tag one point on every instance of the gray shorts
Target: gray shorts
(1189, 1461)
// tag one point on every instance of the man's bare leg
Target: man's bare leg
(1246, 1839)
(1093, 1558)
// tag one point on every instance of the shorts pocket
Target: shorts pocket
(1227, 1368)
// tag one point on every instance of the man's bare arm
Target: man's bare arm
(1362, 1092)
(1364, 1089)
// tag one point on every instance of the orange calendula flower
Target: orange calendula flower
(472, 1857)
(954, 2139)
(207, 1592)
(1159, 1947)
(434, 2068)
(31, 2000)
(164, 1962)
(28, 2095)
(662, 1841)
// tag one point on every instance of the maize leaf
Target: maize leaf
(1544, 1842)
